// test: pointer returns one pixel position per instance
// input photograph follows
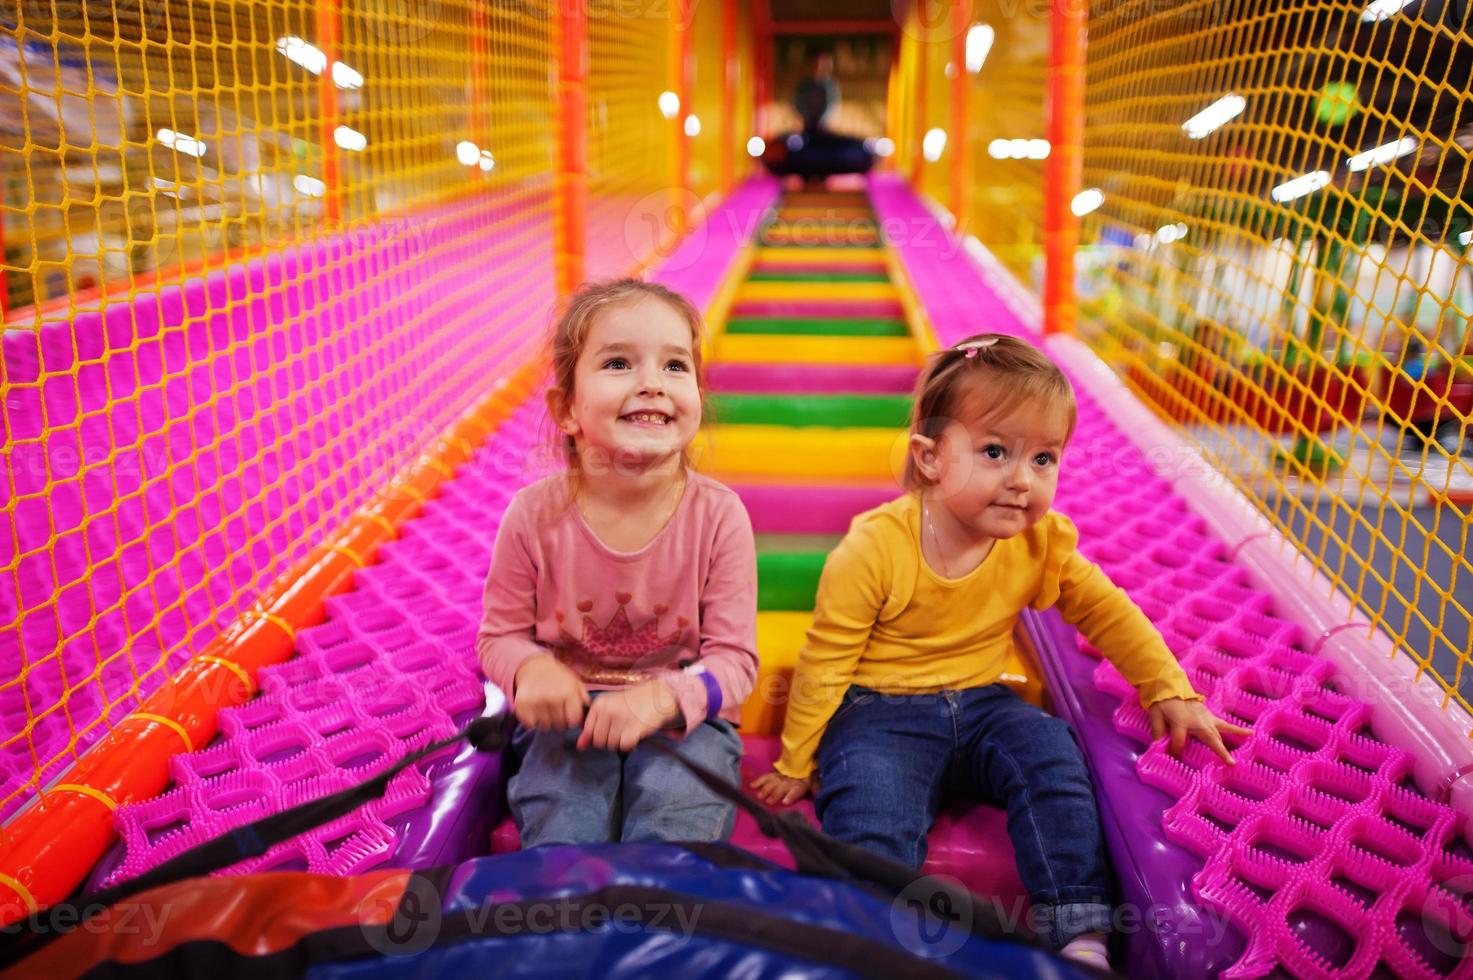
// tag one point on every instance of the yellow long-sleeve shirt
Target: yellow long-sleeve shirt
(886, 621)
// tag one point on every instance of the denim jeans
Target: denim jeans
(564, 796)
(886, 761)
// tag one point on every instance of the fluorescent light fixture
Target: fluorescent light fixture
(979, 44)
(345, 77)
(349, 139)
(310, 186)
(1038, 149)
(1167, 234)
(487, 161)
(309, 56)
(1215, 116)
(182, 143)
(756, 146)
(1300, 186)
(669, 104)
(312, 58)
(1380, 10)
(1382, 155)
(999, 149)
(933, 144)
(692, 125)
(884, 146)
(467, 152)
(1018, 149)
(1086, 201)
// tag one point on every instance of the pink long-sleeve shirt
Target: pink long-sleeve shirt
(683, 605)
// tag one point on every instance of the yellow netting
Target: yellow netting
(1005, 91)
(256, 257)
(1283, 276)
(1289, 286)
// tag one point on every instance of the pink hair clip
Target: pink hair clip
(971, 347)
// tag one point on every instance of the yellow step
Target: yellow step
(775, 349)
(817, 290)
(780, 636)
(815, 256)
(735, 452)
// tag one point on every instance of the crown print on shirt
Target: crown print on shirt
(618, 654)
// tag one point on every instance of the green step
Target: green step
(819, 327)
(787, 581)
(819, 277)
(837, 411)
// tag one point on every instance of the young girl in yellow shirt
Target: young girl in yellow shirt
(897, 694)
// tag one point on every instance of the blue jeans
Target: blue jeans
(564, 796)
(886, 761)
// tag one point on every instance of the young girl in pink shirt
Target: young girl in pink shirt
(622, 596)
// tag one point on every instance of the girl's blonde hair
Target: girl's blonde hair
(571, 330)
(986, 376)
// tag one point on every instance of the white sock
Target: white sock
(1088, 948)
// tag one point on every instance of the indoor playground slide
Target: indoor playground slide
(1315, 855)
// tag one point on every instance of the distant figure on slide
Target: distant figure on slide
(817, 152)
(817, 95)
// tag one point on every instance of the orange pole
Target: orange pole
(680, 13)
(730, 79)
(49, 849)
(1063, 171)
(328, 30)
(570, 182)
(918, 133)
(960, 142)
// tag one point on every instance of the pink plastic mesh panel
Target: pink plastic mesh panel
(386, 673)
(1317, 823)
(1317, 828)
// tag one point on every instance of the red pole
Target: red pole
(918, 132)
(961, 144)
(328, 31)
(1063, 172)
(570, 182)
(4, 273)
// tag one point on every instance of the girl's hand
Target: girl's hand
(620, 720)
(1186, 718)
(775, 788)
(548, 694)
